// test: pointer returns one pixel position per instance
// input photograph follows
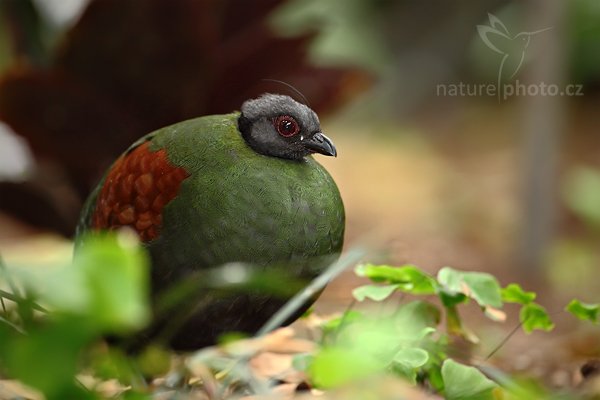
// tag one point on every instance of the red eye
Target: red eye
(286, 125)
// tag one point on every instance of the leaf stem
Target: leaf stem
(350, 258)
(503, 341)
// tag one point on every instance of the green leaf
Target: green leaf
(425, 332)
(334, 367)
(582, 193)
(347, 318)
(47, 357)
(451, 299)
(485, 289)
(584, 311)
(451, 279)
(104, 290)
(408, 278)
(462, 382)
(534, 316)
(115, 274)
(414, 320)
(412, 357)
(434, 376)
(407, 362)
(111, 363)
(370, 345)
(513, 293)
(373, 292)
(403, 371)
(525, 388)
(480, 286)
(133, 395)
(154, 361)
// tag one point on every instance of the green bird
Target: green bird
(233, 188)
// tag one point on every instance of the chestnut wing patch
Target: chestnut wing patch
(136, 189)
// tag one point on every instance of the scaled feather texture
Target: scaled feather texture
(229, 202)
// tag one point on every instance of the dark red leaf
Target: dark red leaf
(131, 66)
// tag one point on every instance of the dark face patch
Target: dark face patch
(278, 126)
(135, 191)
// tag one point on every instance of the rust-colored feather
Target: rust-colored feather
(135, 191)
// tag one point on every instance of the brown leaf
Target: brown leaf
(271, 365)
(282, 340)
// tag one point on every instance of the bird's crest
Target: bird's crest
(291, 87)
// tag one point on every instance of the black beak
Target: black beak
(319, 143)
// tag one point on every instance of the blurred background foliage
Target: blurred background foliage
(509, 186)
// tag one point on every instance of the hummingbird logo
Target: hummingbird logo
(497, 37)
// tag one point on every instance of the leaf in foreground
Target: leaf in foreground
(466, 383)
(334, 367)
(114, 270)
(47, 358)
(408, 278)
(414, 320)
(373, 292)
(408, 360)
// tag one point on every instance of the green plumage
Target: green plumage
(238, 206)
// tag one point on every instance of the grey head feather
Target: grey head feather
(277, 104)
(256, 124)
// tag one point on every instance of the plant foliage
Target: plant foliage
(62, 311)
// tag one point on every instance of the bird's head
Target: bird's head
(278, 126)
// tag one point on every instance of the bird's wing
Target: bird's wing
(134, 192)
